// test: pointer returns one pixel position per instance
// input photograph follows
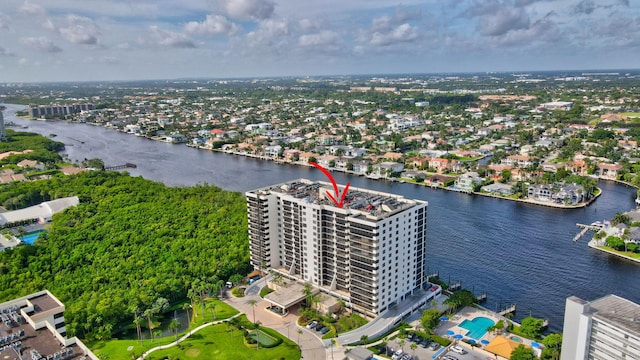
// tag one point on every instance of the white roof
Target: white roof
(44, 210)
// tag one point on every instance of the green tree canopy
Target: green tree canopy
(430, 318)
(522, 353)
(128, 243)
(531, 327)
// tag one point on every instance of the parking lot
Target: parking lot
(422, 353)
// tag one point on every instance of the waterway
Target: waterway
(517, 253)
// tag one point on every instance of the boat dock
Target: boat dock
(585, 229)
(511, 309)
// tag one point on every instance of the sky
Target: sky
(87, 40)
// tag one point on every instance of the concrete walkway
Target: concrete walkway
(186, 336)
(310, 342)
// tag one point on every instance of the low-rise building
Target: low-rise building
(33, 327)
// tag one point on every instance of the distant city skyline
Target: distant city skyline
(86, 40)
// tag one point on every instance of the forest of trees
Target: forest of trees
(129, 243)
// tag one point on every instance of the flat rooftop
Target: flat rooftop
(367, 202)
(44, 302)
(618, 311)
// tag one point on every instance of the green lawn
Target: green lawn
(632, 114)
(222, 311)
(625, 253)
(216, 342)
(124, 349)
(119, 349)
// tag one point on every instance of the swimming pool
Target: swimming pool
(31, 236)
(477, 327)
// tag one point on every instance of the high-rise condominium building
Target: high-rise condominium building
(371, 252)
(603, 329)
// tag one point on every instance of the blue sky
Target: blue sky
(71, 40)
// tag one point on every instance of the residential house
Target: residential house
(385, 169)
(518, 160)
(468, 181)
(608, 171)
(498, 189)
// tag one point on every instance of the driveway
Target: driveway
(311, 344)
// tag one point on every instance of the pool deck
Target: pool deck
(8, 242)
(467, 313)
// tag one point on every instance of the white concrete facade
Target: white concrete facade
(371, 252)
(604, 329)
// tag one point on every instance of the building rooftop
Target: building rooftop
(27, 333)
(366, 203)
(618, 311)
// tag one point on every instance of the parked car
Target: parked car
(411, 336)
(324, 330)
(425, 342)
(434, 346)
(312, 324)
(458, 349)
(319, 326)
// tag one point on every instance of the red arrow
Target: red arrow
(335, 186)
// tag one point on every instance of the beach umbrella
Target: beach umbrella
(450, 332)
(486, 342)
(535, 344)
(444, 318)
(472, 341)
(458, 336)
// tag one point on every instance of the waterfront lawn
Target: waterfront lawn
(222, 310)
(217, 342)
(125, 349)
(629, 254)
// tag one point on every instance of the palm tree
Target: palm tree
(212, 306)
(253, 304)
(149, 313)
(401, 344)
(333, 343)
(186, 307)
(364, 338)
(137, 320)
(174, 325)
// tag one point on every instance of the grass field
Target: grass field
(218, 342)
(123, 349)
(263, 338)
(632, 114)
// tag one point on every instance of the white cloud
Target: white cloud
(170, 38)
(401, 33)
(325, 41)
(270, 33)
(23, 61)
(503, 20)
(32, 9)
(41, 44)
(79, 30)
(213, 25)
(248, 9)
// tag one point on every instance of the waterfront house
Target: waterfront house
(498, 189)
(468, 181)
(385, 169)
(608, 171)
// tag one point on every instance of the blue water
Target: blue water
(31, 237)
(477, 327)
(517, 253)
